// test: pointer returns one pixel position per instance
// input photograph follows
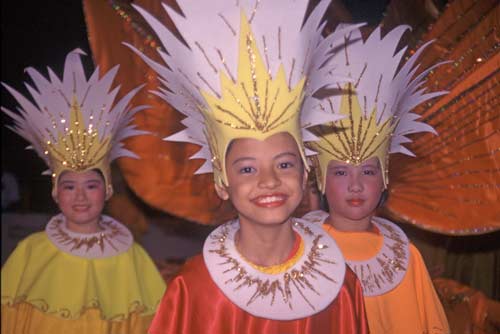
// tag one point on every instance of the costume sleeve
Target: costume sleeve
(430, 308)
(358, 319)
(15, 268)
(172, 312)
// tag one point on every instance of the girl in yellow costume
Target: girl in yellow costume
(352, 171)
(84, 273)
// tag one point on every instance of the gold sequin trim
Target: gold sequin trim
(301, 278)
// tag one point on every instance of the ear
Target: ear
(222, 192)
(304, 179)
(54, 195)
(109, 192)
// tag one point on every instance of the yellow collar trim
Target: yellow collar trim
(282, 267)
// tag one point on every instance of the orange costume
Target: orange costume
(411, 304)
(194, 303)
(378, 104)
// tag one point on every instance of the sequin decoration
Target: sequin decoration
(384, 271)
(298, 288)
(113, 239)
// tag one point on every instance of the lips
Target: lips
(270, 201)
(356, 202)
(80, 208)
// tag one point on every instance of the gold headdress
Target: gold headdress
(74, 124)
(245, 71)
(376, 103)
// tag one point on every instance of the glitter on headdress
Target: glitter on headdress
(243, 70)
(74, 124)
(376, 103)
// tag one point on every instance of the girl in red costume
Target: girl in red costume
(241, 75)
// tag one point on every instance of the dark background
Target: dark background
(40, 34)
(37, 34)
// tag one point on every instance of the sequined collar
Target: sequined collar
(114, 239)
(306, 288)
(386, 269)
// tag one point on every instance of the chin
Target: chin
(269, 218)
(354, 214)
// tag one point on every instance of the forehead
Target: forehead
(70, 176)
(372, 162)
(270, 147)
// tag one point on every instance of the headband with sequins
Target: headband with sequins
(74, 123)
(376, 102)
(244, 69)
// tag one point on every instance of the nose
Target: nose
(80, 193)
(268, 178)
(355, 184)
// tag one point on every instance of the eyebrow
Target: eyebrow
(336, 167)
(73, 181)
(285, 154)
(93, 180)
(242, 159)
(274, 158)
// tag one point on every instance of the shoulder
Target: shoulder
(194, 268)
(34, 239)
(33, 243)
(193, 280)
(317, 216)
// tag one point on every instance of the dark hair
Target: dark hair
(383, 198)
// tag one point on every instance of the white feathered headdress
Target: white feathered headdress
(243, 69)
(376, 102)
(73, 123)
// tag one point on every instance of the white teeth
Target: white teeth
(270, 199)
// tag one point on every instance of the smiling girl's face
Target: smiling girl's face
(81, 196)
(353, 192)
(266, 179)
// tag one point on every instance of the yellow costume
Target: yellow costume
(60, 281)
(49, 290)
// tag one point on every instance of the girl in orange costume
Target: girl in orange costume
(352, 172)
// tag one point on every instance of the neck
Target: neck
(86, 228)
(265, 245)
(350, 225)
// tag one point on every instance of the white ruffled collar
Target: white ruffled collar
(386, 269)
(114, 238)
(306, 288)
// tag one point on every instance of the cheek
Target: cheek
(98, 197)
(335, 187)
(374, 188)
(63, 197)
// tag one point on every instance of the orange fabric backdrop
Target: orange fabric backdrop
(453, 185)
(163, 177)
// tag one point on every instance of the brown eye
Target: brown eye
(247, 170)
(369, 172)
(285, 165)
